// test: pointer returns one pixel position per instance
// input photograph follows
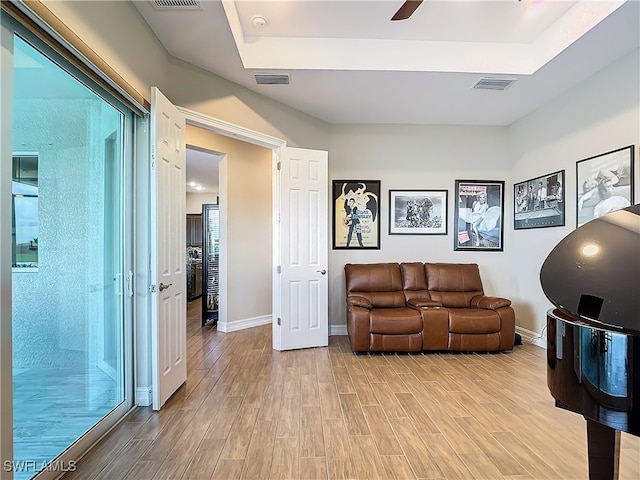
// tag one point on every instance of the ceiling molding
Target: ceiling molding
(376, 54)
(227, 129)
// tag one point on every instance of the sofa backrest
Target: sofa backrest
(414, 281)
(380, 283)
(453, 284)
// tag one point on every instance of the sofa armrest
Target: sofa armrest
(415, 303)
(489, 303)
(357, 301)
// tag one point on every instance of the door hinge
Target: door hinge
(279, 269)
(152, 288)
(278, 165)
(279, 321)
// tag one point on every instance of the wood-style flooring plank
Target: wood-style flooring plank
(381, 431)
(313, 468)
(397, 467)
(285, 463)
(329, 401)
(339, 456)
(499, 455)
(204, 460)
(260, 451)
(237, 442)
(368, 463)
(353, 415)
(228, 468)
(415, 450)
(311, 433)
(289, 418)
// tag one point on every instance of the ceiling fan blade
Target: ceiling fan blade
(406, 10)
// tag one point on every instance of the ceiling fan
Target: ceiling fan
(406, 10)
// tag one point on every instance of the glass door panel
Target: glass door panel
(67, 226)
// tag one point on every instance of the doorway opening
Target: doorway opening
(242, 257)
(202, 232)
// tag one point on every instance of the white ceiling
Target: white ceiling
(348, 63)
(202, 171)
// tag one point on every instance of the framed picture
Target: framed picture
(604, 184)
(539, 202)
(356, 212)
(417, 212)
(478, 215)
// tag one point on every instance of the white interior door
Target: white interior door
(168, 249)
(302, 285)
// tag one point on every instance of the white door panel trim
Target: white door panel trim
(168, 247)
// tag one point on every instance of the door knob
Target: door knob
(163, 286)
(322, 272)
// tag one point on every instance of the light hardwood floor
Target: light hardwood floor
(247, 411)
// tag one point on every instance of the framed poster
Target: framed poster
(417, 212)
(539, 202)
(356, 212)
(604, 184)
(478, 215)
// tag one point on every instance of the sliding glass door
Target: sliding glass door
(71, 314)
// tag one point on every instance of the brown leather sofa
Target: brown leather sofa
(411, 307)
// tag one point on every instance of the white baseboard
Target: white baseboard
(243, 324)
(337, 330)
(143, 396)
(532, 337)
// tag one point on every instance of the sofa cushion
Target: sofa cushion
(414, 282)
(357, 301)
(473, 321)
(453, 284)
(373, 277)
(491, 303)
(395, 321)
(395, 343)
(380, 283)
(381, 299)
(489, 342)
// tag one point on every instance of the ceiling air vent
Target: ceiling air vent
(175, 4)
(493, 83)
(272, 78)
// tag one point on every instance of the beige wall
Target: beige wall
(245, 223)
(120, 36)
(196, 200)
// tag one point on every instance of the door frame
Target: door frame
(199, 120)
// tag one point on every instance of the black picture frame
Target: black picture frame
(539, 202)
(479, 214)
(604, 184)
(418, 212)
(356, 214)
